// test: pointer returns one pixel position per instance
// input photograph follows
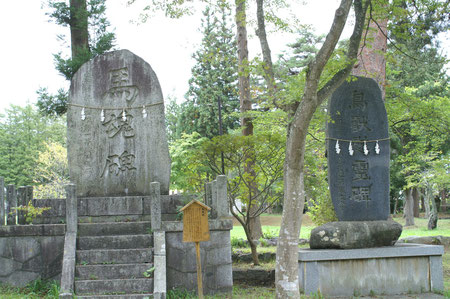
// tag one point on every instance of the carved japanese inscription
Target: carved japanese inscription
(358, 152)
(117, 142)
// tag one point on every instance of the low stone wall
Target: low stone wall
(29, 252)
(215, 257)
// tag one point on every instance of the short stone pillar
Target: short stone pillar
(68, 267)
(21, 202)
(2, 202)
(11, 198)
(155, 196)
(222, 205)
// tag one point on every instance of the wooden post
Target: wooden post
(199, 271)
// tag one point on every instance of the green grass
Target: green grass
(238, 231)
(36, 289)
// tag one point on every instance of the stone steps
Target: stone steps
(113, 271)
(111, 259)
(115, 242)
(114, 286)
(110, 256)
(114, 228)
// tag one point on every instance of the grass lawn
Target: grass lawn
(271, 225)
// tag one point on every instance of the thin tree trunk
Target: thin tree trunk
(79, 33)
(265, 49)
(416, 198)
(395, 206)
(286, 268)
(246, 103)
(409, 207)
(426, 202)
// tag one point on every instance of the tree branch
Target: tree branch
(352, 52)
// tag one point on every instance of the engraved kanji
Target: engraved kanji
(358, 101)
(359, 123)
(360, 170)
(361, 193)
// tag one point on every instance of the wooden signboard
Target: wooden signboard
(195, 222)
(196, 229)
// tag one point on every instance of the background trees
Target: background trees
(23, 135)
(89, 37)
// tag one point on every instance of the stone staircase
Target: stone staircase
(111, 259)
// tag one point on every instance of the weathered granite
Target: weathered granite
(215, 260)
(117, 152)
(36, 252)
(355, 234)
(359, 183)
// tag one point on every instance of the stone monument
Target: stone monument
(358, 170)
(117, 141)
(358, 152)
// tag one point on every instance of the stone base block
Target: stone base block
(355, 234)
(399, 269)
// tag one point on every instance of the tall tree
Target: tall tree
(417, 97)
(286, 271)
(89, 37)
(212, 99)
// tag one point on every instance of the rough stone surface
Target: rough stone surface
(25, 258)
(359, 183)
(121, 153)
(355, 234)
(215, 259)
(256, 276)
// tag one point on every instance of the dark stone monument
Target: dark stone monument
(358, 152)
(358, 170)
(117, 141)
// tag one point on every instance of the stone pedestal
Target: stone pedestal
(399, 269)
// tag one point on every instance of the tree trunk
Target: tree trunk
(246, 103)
(265, 49)
(443, 201)
(395, 206)
(286, 268)
(254, 252)
(409, 207)
(254, 224)
(426, 202)
(79, 33)
(416, 198)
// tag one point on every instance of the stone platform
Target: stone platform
(394, 270)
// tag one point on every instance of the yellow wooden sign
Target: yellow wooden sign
(195, 222)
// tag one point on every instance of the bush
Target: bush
(238, 242)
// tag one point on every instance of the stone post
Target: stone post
(21, 201)
(71, 208)
(159, 281)
(29, 194)
(223, 209)
(11, 198)
(208, 194)
(2, 202)
(70, 242)
(214, 199)
(155, 196)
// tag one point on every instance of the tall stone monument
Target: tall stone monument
(117, 141)
(358, 170)
(358, 152)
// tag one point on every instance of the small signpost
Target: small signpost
(196, 229)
